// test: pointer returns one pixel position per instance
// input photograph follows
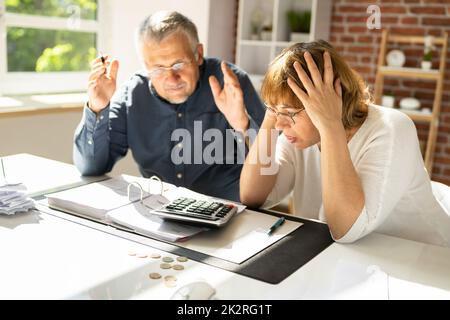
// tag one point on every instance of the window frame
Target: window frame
(17, 83)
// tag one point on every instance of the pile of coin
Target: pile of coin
(170, 281)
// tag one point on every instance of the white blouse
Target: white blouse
(386, 154)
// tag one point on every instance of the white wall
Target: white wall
(220, 41)
(50, 135)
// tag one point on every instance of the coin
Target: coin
(141, 255)
(182, 259)
(167, 259)
(154, 275)
(155, 256)
(165, 265)
(131, 253)
(170, 284)
(178, 267)
(170, 278)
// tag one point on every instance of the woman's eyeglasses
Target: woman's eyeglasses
(289, 115)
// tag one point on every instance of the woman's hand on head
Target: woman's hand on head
(323, 97)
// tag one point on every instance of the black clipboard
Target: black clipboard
(279, 260)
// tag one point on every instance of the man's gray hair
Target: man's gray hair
(161, 24)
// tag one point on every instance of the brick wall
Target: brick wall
(360, 47)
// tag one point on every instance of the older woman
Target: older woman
(351, 164)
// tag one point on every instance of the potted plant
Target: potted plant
(299, 24)
(255, 23)
(266, 32)
(426, 60)
(427, 53)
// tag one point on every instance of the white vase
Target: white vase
(426, 65)
(387, 101)
(299, 37)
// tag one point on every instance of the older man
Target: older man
(170, 115)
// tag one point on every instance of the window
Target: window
(46, 45)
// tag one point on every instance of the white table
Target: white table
(46, 257)
(42, 175)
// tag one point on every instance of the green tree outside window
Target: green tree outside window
(38, 50)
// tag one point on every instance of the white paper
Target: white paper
(96, 199)
(13, 199)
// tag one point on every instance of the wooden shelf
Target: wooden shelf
(256, 43)
(409, 72)
(415, 73)
(418, 115)
(254, 56)
(414, 39)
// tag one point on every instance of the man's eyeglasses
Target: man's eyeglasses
(290, 115)
(158, 72)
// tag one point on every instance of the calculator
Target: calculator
(193, 211)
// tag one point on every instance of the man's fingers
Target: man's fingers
(215, 86)
(96, 73)
(92, 83)
(228, 75)
(99, 60)
(328, 75)
(99, 64)
(113, 69)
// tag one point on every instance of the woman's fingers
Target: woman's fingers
(298, 91)
(306, 81)
(338, 87)
(328, 75)
(313, 70)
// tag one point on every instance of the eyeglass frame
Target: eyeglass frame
(176, 67)
(291, 115)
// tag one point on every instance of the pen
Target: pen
(102, 57)
(276, 225)
(3, 170)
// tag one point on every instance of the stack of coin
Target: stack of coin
(170, 281)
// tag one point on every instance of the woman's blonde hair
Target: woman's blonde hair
(275, 89)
